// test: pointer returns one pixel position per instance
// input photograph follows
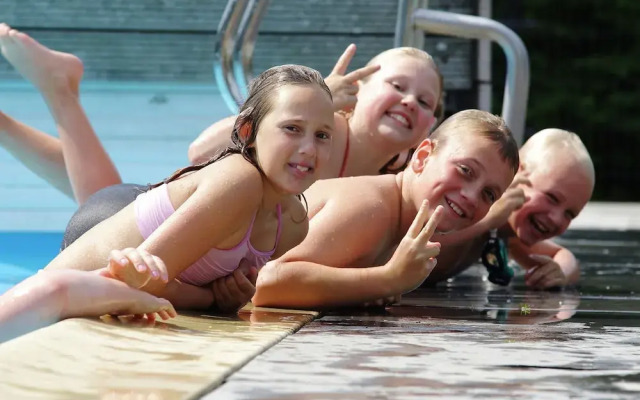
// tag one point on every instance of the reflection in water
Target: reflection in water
(500, 306)
(470, 339)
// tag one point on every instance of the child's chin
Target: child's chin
(445, 228)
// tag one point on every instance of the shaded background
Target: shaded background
(585, 77)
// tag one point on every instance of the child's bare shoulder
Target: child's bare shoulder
(361, 199)
(233, 172)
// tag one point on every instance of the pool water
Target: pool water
(24, 253)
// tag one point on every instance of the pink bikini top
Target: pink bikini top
(153, 207)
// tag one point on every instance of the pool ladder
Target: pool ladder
(238, 29)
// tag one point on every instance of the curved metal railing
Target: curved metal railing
(235, 42)
(516, 90)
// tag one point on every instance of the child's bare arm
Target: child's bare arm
(217, 208)
(547, 263)
(304, 278)
(212, 140)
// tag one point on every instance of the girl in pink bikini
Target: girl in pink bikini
(203, 221)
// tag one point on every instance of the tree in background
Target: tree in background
(585, 77)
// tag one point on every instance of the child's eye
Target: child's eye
(292, 128)
(491, 196)
(425, 104)
(323, 136)
(396, 85)
(552, 198)
(465, 170)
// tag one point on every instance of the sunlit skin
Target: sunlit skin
(465, 176)
(295, 137)
(557, 194)
(396, 104)
(360, 247)
(547, 194)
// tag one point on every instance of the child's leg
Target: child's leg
(57, 76)
(51, 296)
(39, 152)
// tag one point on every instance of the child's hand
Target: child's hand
(233, 291)
(545, 274)
(512, 199)
(345, 87)
(136, 267)
(413, 260)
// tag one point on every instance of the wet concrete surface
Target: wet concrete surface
(111, 358)
(471, 339)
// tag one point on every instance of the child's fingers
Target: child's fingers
(540, 259)
(162, 267)
(431, 225)
(418, 221)
(431, 264)
(351, 90)
(536, 276)
(232, 285)
(520, 179)
(345, 59)
(243, 284)
(136, 259)
(221, 294)
(361, 73)
(150, 263)
(171, 311)
(163, 315)
(118, 257)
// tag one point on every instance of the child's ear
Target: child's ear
(245, 131)
(421, 155)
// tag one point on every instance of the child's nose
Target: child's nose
(557, 216)
(308, 145)
(410, 101)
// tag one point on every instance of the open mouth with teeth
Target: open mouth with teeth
(539, 226)
(456, 209)
(401, 119)
(304, 169)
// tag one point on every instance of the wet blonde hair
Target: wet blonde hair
(550, 143)
(482, 124)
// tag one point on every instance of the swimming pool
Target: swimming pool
(24, 253)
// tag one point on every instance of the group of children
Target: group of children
(247, 222)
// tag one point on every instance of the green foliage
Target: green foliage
(585, 77)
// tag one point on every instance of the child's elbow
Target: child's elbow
(195, 153)
(266, 285)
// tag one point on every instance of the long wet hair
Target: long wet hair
(254, 109)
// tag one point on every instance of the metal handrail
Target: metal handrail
(223, 55)
(235, 42)
(516, 90)
(245, 43)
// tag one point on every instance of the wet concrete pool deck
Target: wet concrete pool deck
(469, 338)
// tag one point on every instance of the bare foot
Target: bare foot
(48, 70)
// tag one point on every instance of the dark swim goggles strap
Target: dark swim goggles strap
(495, 259)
